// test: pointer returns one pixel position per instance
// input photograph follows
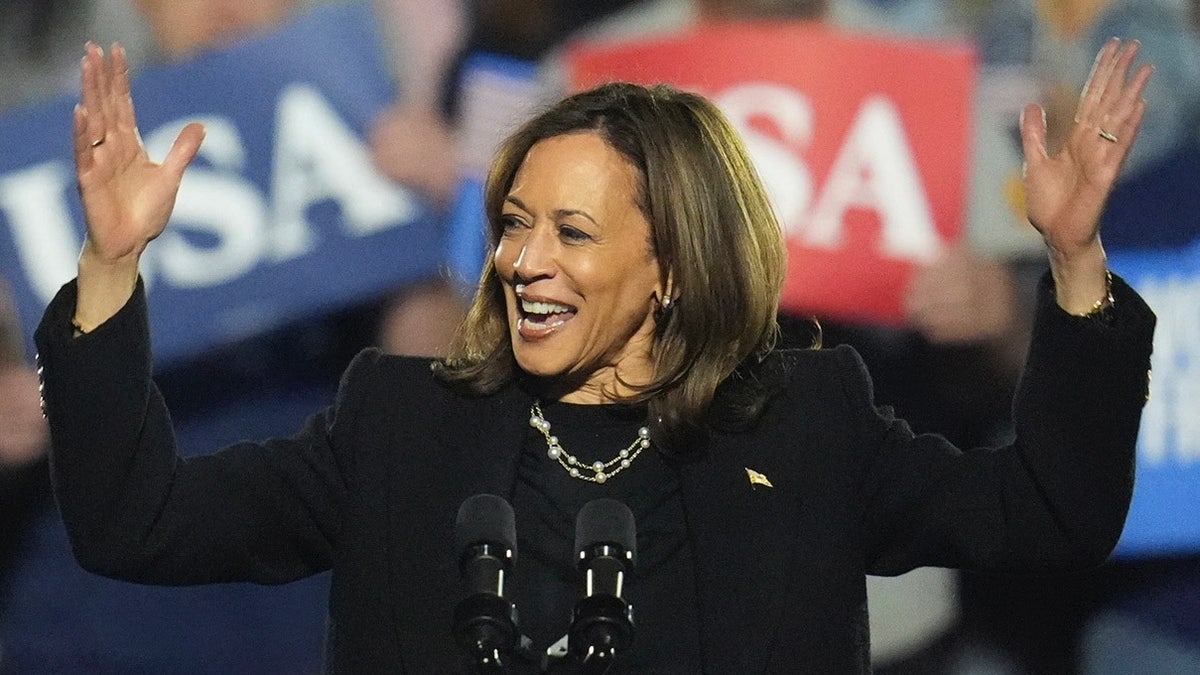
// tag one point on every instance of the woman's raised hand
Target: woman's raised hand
(127, 198)
(1066, 192)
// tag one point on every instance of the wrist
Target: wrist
(1082, 281)
(104, 286)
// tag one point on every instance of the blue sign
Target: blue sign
(497, 94)
(282, 215)
(1163, 518)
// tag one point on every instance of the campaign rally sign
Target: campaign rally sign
(496, 95)
(861, 142)
(282, 214)
(1163, 517)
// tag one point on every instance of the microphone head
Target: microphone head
(605, 522)
(485, 519)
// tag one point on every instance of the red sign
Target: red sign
(862, 143)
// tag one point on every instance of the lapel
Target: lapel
(481, 439)
(744, 538)
(460, 447)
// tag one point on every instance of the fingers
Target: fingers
(1129, 129)
(91, 93)
(104, 85)
(1133, 103)
(123, 99)
(81, 139)
(107, 107)
(1033, 132)
(1118, 72)
(1097, 80)
(1110, 99)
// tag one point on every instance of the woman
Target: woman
(634, 282)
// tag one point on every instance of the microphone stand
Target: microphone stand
(602, 621)
(485, 621)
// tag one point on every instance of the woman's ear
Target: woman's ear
(667, 299)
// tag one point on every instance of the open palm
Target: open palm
(127, 198)
(1066, 192)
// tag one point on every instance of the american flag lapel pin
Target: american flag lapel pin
(757, 478)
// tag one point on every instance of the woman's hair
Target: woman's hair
(713, 232)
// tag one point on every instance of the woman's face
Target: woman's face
(579, 274)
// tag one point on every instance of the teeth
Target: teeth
(519, 288)
(530, 307)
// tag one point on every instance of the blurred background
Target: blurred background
(336, 205)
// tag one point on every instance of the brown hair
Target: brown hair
(714, 234)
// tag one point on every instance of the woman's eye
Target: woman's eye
(509, 223)
(572, 234)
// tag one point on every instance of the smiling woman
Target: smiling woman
(636, 209)
(620, 348)
(581, 280)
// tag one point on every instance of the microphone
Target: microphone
(485, 622)
(605, 548)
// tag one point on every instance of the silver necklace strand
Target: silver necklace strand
(596, 472)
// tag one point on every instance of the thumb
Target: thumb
(184, 149)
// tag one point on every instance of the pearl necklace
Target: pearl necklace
(599, 470)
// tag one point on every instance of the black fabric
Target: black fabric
(370, 487)
(661, 587)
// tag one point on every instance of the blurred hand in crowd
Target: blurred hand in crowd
(414, 146)
(412, 142)
(23, 433)
(962, 298)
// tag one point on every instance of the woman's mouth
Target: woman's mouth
(539, 318)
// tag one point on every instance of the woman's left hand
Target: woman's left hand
(1066, 192)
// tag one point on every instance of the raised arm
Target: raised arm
(1057, 497)
(132, 507)
(1066, 191)
(127, 198)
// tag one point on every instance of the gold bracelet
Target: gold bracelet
(1103, 303)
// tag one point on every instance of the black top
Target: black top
(661, 586)
(370, 488)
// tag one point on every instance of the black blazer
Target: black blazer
(370, 488)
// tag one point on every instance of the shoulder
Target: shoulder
(809, 368)
(374, 378)
(789, 380)
(404, 376)
(373, 361)
(817, 415)
(406, 385)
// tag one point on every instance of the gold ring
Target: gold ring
(1107, 135)
(98, 142)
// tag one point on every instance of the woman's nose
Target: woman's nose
(536, 258)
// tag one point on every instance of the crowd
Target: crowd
(965, 320)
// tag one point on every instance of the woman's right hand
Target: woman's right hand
(127, 198)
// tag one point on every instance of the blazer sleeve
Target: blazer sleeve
(1056, 498)
(135, 510)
